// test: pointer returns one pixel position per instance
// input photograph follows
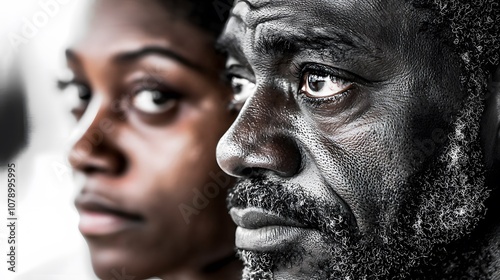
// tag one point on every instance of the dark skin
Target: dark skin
(151, 108)
(338, 93)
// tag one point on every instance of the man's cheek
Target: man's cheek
(373, 191)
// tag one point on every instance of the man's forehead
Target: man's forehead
(254, 12)
(355, 21)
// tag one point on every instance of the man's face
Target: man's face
(351, 141)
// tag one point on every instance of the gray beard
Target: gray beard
(447, 207)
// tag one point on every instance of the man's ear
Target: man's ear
(490, 126)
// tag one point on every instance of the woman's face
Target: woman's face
(151, 108)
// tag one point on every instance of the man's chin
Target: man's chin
(281, 265)
(273, 265)
(330, 257)
(301, 259)
(257, 265)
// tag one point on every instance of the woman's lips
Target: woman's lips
(98, 217)
(259, 230)
(103, 223)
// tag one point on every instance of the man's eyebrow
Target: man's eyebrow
(288, 43)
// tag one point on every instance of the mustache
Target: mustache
(289, 200)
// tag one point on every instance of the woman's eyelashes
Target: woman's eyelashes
(154, 101)
(144, 98)
(77, 94)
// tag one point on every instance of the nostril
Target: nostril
(254, 172)
(247, 172)
(237, 168)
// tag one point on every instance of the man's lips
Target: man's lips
(260, 230)
(254, 218)
(101, 217)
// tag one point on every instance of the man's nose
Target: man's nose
(93, 149)
(261, 139)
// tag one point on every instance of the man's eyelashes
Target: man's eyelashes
(242, 90)
(320, 84)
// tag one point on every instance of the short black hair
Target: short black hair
(208, 15)
(471, 27)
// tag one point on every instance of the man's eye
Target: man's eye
(153, 101)
(322, 85)
(242, 89)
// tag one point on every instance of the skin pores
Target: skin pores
(357, 148)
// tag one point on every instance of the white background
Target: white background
(49, 245)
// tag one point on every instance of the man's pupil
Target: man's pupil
(316, 83)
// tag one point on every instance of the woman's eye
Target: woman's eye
(153, 101)
(323, 85)
(76, 95)
(242, 89)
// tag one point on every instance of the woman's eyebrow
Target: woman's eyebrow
(157, 50)
(132, 55)
(161, 51)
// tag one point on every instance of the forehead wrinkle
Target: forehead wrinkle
(277, 29)
(239, 12)
(340, 26)
(279, 40)
(229, 41)
(252, 14)
(256, 4)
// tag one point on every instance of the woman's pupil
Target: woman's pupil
(83, 93)
(158, 98)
